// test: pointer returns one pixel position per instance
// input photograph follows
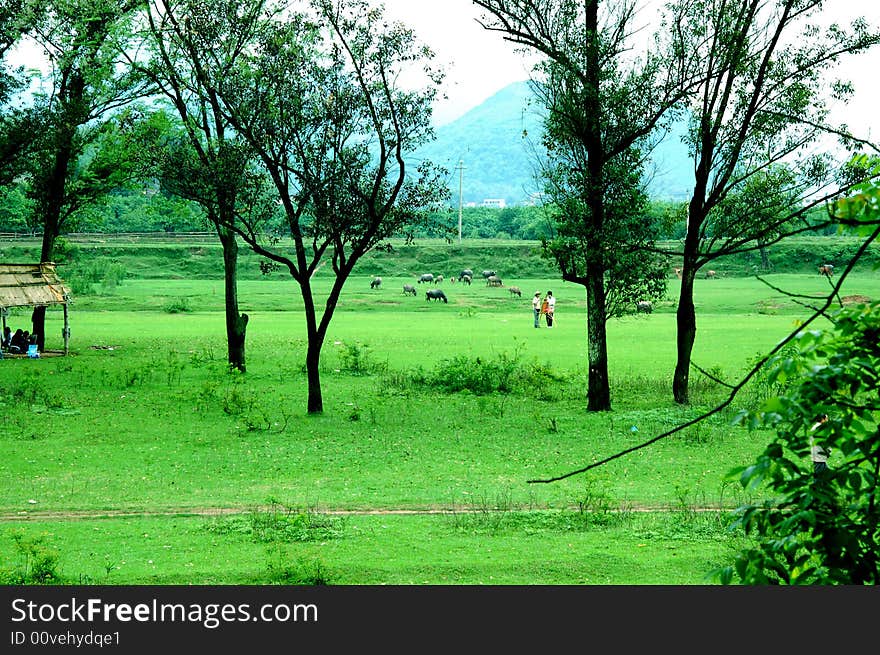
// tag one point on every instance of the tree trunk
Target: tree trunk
(686, 315)
(236, 324)
(54, 201)
(686, 319)
(53, 205)
(315, 335)
(38, 326)
(765, 259)
(315, 403)
(38, 316)
(598, 388)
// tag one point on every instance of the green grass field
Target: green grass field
(140, 459)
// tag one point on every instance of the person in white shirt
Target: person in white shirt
(818, 454)
(536, 308)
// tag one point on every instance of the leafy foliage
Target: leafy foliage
(602, 104)
(757, 110)
(316, 100)
(38, 561)
(819, 529)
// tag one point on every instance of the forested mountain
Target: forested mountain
(496, 141)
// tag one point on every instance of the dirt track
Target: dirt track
(87, 515)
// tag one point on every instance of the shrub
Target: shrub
(281, 522)
(177, 305)
(503, 374)
(357, 359)
(287, 570)
(38, 562)
(818, 528)
(101, 271)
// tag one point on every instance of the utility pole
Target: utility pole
(460, 169)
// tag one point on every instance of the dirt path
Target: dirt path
(89, 515)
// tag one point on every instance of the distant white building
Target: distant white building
(498, 203)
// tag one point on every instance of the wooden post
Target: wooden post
(65, 331)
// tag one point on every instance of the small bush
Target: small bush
(766, 384)
(38, 562)
(102, 271)
(357, 359)
(64, 251)
(177, 305)
(282, 523)
(286, 570)
(504, 374)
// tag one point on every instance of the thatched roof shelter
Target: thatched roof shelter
(33, 285)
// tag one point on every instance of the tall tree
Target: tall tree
(82, 40)
(319, 100)
(605, 103)
(762, 103)
(190, 41)
(19, 126)
(632, 272)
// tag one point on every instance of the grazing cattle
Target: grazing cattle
(488, 274)
(467, 272)
(466, 279)
(644, 306)
(427, 277)
(438, 279)
(515, 291)
(435, 294)
(452, 280)
(677, 272)
(710, 274)
(409, 290)
(493, 281)
(827, 270)
(376, 283)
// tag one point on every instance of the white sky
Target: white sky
(480, 63)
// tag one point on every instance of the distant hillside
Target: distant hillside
(489, 140)
(493, 140)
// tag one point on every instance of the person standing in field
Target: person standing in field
(536, 308)
(550, 303)
(818, 453)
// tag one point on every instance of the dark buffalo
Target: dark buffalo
(376, 283)
(435, 294)
(465, 279)
(644, 306)
(515, 291)
(427, 278)
(409, 290)
(488, 274)
(467, 272)
(494, 281)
